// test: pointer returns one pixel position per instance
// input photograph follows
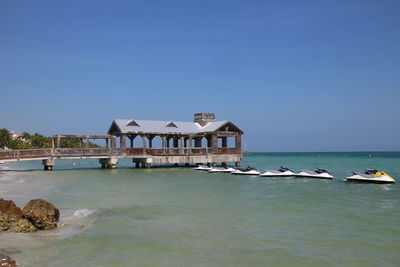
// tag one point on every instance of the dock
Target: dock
(205, 140)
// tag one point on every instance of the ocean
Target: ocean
(183, 217)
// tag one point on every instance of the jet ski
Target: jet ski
(370, 176)
(206, 167)
(226, 169)
(249, 170)
(318, 173)
(282, 172)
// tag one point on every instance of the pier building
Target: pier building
(149, 143)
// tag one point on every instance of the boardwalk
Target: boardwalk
(108, 157)
(205, 140)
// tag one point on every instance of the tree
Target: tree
(40, 141)
(5, 138)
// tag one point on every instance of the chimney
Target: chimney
(203, 118)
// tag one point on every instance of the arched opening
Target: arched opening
(157, 142)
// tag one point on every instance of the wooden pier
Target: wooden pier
(203, 141)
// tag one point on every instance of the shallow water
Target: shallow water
(182, 217)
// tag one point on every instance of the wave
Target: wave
(83, 212)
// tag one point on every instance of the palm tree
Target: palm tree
(5, 138)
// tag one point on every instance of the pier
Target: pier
(205, 140)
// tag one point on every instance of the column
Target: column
(131, 140)
(58, 141)
(122, 141)
(183, 145)
(87, 141)
(190, 144)
(113, 142)
(238, 142)
(214, 143)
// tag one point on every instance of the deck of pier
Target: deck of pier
(203, 141)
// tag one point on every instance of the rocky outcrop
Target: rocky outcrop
(38, 214)
(6, 261)
(23, 226)
(42, 214)
(9, 214)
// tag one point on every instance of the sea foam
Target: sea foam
(83, 212)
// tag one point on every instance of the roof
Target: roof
(166, 127)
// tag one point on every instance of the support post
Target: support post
(215, 144)
(58, 141)
(182, 145)
(144, 143)
(190, 144)
(122, 141)
(108, 163)
(48, 164)
(238, 142)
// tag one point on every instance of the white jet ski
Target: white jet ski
(227, 169)
(282, 172)
(249, 170)
(318, 173)
(206, 167)
(371, 176)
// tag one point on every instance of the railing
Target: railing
(108, 152)
(86, 152)
(25, 153)
(58, 152)
(134, 151)
(228, 150)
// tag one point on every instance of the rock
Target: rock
(23, 226)
(6, 261)
(42, 214)
(9, 214)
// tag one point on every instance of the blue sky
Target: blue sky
(294, 75)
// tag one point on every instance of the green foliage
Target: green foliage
(40, 141)
(28, 141)
(5, 138)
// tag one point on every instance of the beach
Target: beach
(182, 217)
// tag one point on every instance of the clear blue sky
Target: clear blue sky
(294, 75)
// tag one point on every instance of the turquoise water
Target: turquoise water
(182, 217)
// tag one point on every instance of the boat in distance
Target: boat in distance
(318, 173)
(249, 170)
(371, 176)
(282, 172)
(226, 169)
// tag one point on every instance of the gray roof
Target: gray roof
(146, 126)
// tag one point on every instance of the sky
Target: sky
(294, 75)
